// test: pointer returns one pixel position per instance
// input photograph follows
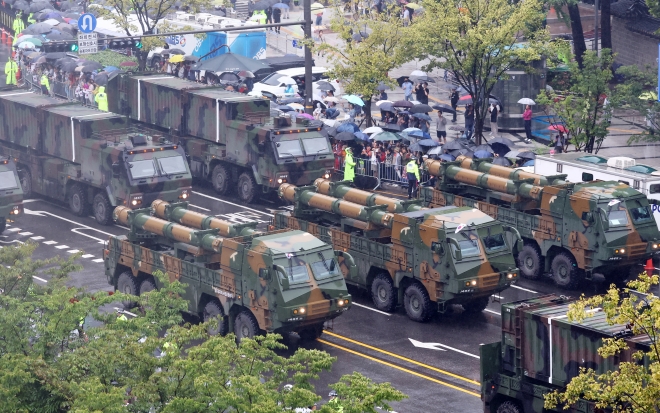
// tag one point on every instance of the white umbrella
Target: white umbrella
(287, 80)
(526, 101)
(380, 102)
(295, 105)
(330, 122)
(52, 22)
(372, 129)
(331, 99)
(317, 7)
(417, 73)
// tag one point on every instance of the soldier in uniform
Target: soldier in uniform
(349, 165)
(412, 170)
(11, 68)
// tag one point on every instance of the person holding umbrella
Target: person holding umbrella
(493, 118)
(453, 98)
(412, 171)
(11, 68)
(349, 165)
(527, 117)
(469, 121)
(441, 128)
(277, 14)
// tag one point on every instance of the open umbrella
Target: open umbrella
(323, 85)
(38, 6)
(354, 100)
(483, 147)
(291, 99)
(59, 36)
(453, 145)
(230, 62)
(195, 59)
(69, 66)
(387, 107)
(380, 102)
(66, 5)
(348, 127)
(559, 128)
(33, 40)
(101, 79)
(317, 6)
(177, 58)
(461, 152)
(443, 108)
(415, 147)
(435, 151)
(382, 86)
(243, 73)
(40, 60)
(447, 157)
(418, 134)
(501, 140)
(22, 5)
(229, 77)
(373, 129)
(512, 154)
(26, 45)
(65, 27)
(109, 69)
(52, 22)
(55, 55)
(361, 136)
(39, 28)
(173, 51)
(385, 136)
(296, 106)
(501, 161)
(421, 108)
(280, 6)
(483, 154)
(531, 162)
(345, 136)
(91, 66)
(285, 108)
(403, 104)
(331, 99)
(423, 116)
(287, 80)
(428, 143)
(527, 155)
(127, 64)
(417, 73)
(526, 101)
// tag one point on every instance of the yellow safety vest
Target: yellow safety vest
(411, 169)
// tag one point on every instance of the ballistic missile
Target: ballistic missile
(178, 212)
(344, 191)
(508, 173)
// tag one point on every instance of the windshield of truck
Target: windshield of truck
(468, 242)
(172, 165)
(288, 149)
(325, 268)
(142, 169)
(617, 218)
(494, 243)
(316, 146)
(295, 269)
(7, 180)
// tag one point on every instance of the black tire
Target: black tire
(127, 284)
(619, 279)
(245, 326)
(565, 271)
(417, 303)
(530, 262)
(26, 182)
(383, 293)
(3, 225)
(247, 187)
(78, 201)
(213, 309)
(311, 333)
(147, 285)
(102, 209)
(477, 305)
(220, 179)
(509, 407)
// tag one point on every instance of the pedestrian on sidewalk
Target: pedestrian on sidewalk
(407, 87)
(453, 98)
(559, 142)
(277, 14)
(441, 128)
(422, 93)
(527, 117)
(319, 19)
(494, 110)
(469, 121)
(286, 9)
(269, 15)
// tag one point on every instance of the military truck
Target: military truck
(541, 351)
(425, 259)
(231, 139)
(571, 230)
(11, 193)
(87, 157)
(280, 281)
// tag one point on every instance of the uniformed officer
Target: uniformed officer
(102, 99)
(412, 170)
(349, 165)
(11, 68)
(335, 402)
(45, 84)
(18, 25)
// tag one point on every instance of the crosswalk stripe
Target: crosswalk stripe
(50, 242)
(13, 229)
(61, 247)
(73, 251)
(37, 238)
(88, 256)
(98, 260)
(25, 233)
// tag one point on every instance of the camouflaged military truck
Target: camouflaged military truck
(11, 193)
(425, 259)
(541, 351)
(87, 157)
(231, 139)
(280, 281)
(571, 230)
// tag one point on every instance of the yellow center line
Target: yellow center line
(624, 130)
(471, 393)
(402, 358)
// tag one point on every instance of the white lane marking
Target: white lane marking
(372, 309)
(25, 233)
(524, 289)
(199, 207)
(61, 247)
(230, 203)
(434, 346)
(493, 312)
(39, 279)
(122, 227)
(37, 238)
(14, 229)
(73, 251)
(499, 297)
(98, 260)
(88, 256)
(77, 231)
(82, 226)
(50, 242)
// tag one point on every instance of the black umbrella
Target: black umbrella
(402, 104)
(22, 5)
(101, 79)
(39, 28)
(527, 155)
(59, 36)
(293, 99)
(71, 15)
(66, 5)
(91, 66)
(465, 152)
(382, 86)
(501, 161)
(68, 66)
(453, 145)
(500, 148)
(422, 116)
(447, 157)
(173, 51)
(230, 62)
(39, 6)
(504, 141)
(332, 131)
(415, 147)
(63, 60)
(421, 108)
(443, 108)
(10, 2)
(402, 79)
(229, 77)
(387, 107)
(65, 27)
(323, 85)
(55, 55)
(483, 147)
(193, 59)
(345, 136)
(285, 108)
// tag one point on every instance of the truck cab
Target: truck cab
(11, 193)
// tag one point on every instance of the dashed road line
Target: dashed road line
(14, 229)
(25, 234)
(98, 260)
(88, 256)
(524, 289)
(73, 251)
(37, 238)
(372, 309)
(61, 247)
(50, 242)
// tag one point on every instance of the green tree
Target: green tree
(152, 363)
(638, 93)
(582, 108)
(364, 64)
(477, 41)
(635, 386)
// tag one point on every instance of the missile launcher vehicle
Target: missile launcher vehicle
(279, 281)
(425, 259)
(11, 193)
(572, 231)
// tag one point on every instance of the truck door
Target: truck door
(255, 288)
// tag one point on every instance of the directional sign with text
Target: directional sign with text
(87, 23)
(88, 43)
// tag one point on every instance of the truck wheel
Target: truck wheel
(565, 271)
(127, 284)
(383, 293)
(220, 179)
(26, 182)
(477, 305)
(508, 407)
(620, 280)
(417, 302)
(147, 285)
(102, 209)
(311, 333)
(530, 262)
(247, 188)
(245, 326)
(212, 310)
(78, 201)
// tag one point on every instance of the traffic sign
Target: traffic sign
(297, 45)
(87, 23)
(88, 43)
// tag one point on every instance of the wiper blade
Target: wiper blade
(325, 264)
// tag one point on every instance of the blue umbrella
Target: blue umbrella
(419, 134)
(422, 116)
(447, 157)
(529, 163)
(429, 143)
(361, 136)
(483, 154)
(415, 148)
(280, 6)
(111, 68)
(354, 100)
(348, 127)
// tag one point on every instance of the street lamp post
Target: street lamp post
(307, 15)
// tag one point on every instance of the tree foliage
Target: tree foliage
(581, 108)
(631, 95)
(477, 41)
(635, 386)
(152, 363)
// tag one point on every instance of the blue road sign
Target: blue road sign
(295, 44)
(87, 23)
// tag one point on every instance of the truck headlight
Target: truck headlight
(136, 200)
(620, 251)
(472, 283)
(511, 275)
(15, 210)
(342, 302)
(282, 179)
(326, 175)
(184, 194)
(655, 246)
(300, 310)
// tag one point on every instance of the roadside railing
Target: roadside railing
(381, 172)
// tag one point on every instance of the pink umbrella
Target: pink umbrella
(558, 128)
(305, 115)
(127, 64)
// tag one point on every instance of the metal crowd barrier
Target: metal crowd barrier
(381, 172)
(57, 89)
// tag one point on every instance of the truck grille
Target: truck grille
(488, 281)
(637, 250)
(319, 308)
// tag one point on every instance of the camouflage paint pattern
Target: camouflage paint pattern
(344, 191)
(573, 218)
(11, 197)
(238, 272)
(484, 165)
(411, 247)
(179, 212)
(541, 351)
(220, 127)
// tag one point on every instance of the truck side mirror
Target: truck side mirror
(349, 261)
(588, 216)
(587, 177)
(519, 241)
(456, 251)
(284, 280)
(604, 220)
(264, 273)
(437, 248)
(115, 170)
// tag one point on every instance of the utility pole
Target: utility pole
(307, 15)
(596, 26)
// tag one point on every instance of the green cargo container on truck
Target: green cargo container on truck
(280, 281)
(11, 193)
(571, 230)
(87, 157)
(231, 139)
(541, 351)
(425, 259)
